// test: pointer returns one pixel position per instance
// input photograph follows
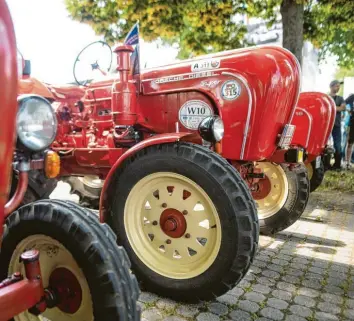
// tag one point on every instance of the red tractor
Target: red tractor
(314, 120)
(241, 102)
(56, 261)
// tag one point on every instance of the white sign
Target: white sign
(193, 112)
(230, 90)
(206, 64)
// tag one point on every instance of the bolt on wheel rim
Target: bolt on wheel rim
(53, 258)
(271, 203)
(188, 241)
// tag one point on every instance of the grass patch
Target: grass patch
(338, 181)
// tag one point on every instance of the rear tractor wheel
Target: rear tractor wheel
(85, 272)
(186, 219)
(281, 197)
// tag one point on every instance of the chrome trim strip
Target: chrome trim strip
(310, 118)
(245, 132)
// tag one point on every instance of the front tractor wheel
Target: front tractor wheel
(85, 271)
(316, 174)
(281, 197)
(186, 219)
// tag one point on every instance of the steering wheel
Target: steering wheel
(95, 57)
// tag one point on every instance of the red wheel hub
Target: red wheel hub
(262, 188)
(173, 223)
(67, 288)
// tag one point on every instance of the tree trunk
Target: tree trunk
(293, 27)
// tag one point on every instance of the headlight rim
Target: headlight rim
(206, 129)
(21, 100)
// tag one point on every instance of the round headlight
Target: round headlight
(36, 123)
(211, 129)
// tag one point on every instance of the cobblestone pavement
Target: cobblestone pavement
(303, 273)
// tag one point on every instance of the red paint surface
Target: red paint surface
(322, 110)
(8, 102)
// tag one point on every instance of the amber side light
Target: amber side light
(52, 164)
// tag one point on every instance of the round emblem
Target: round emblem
(230, 90)
(193, 112)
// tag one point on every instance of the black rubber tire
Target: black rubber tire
(317, 176)
(235, 206)
(114, 289)
(39, 187)
(299, 191)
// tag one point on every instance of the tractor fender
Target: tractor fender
(155, 140)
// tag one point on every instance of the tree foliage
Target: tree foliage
(203, 26)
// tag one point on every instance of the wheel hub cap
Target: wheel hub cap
(173, 223)
(262, 190)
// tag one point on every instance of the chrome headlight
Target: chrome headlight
(36, 122)
(211, 129)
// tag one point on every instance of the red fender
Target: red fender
(155, 140)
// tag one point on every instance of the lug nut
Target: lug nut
(154, 223)
(168, 241)
(185, 212)
(187, 236)
(164, 205)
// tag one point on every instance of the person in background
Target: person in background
(349, 151)
(337, 130)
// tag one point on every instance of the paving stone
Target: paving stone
(174, 318)
(249, 277)
(259, 264)
(147, 297)
(298, 266)
(238, 315)
(280, 262)
(286, 286)
(276, 268)
(262, 319)
(236, 291)
(300, 310)
(255, 297)
(317, 270)
(227, 299)
(271, 274)
(261, 288)
(141, 305)
(263, 258)
(328, 307)
(294, 272)
(277, 303)
(271, 313)
(244, 284)
(218, 308)
(152, 314)
(332, 298)
(323, 316)
(166, 304)
(291, 279)
(313, 276)
(334, 281)
(255, 269)
(333, 289)
(309, 292)
(266, 281)
(313, 284)
(294, 317)
(283, 295)
(248, 306)
(305, 301)
(206, 316)
(349, 303)
(188, 311)
(320, 264)
(349, 313)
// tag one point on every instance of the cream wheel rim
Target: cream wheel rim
(309, 170)
(53, 255)
(166, 194)
(279, 189)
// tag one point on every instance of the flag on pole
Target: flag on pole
(132, 37)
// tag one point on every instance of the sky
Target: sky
(51, 40)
